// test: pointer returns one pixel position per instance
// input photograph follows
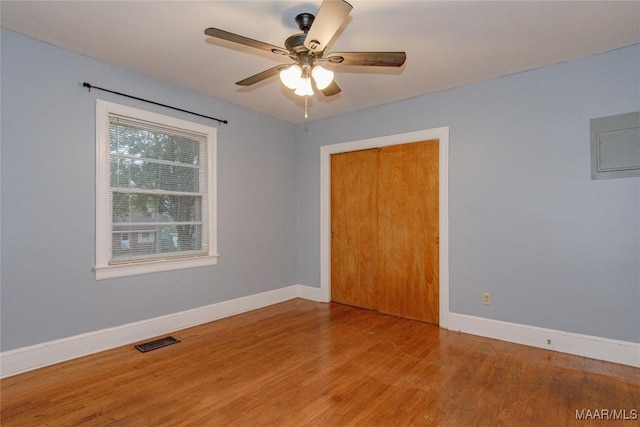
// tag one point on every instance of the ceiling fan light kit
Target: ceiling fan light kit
(293, 77)
(307, 48)
(304, 88)
(322, 77)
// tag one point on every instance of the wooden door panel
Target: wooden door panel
(385, 225)
(408, 226)
(354, 228)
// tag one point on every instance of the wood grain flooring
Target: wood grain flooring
(302, 363)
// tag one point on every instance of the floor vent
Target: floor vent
(152, 345)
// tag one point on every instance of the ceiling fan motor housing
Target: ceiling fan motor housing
(295, 44)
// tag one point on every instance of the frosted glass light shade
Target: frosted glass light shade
(322, 76)
(304, 89)
(291, 76)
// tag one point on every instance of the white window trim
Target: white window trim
(103, 237)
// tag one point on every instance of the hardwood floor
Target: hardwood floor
(302, 363)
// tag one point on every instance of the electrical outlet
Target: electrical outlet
(486, 298)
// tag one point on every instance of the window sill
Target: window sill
(123, 270)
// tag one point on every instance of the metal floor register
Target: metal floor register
(152, 345)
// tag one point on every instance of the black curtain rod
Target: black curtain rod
(90, 86)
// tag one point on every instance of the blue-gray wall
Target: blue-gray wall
(48, 200)
(555, 249)
(527, 223)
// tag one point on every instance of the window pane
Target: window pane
(125, 140)
(179, 149)
(180, 208)
(120, 172)
(137, 208)
(131, 241)
(178, 178)
(147, 175)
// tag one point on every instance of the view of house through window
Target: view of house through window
(158, 191)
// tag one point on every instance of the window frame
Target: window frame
(103, 268)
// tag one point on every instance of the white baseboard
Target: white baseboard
(624, 352)
(310, 293)
(39, 355)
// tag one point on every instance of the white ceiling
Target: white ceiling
(448, 43)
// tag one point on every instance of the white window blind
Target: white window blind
(158, 190)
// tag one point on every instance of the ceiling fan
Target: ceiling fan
(307, 50)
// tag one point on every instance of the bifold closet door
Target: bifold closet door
(384, 230)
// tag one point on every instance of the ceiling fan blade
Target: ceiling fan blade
(256, 78)
(329, 18)
(332, 89)
(376, 59)
(246, 41)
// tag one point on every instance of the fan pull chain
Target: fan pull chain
(306, 113)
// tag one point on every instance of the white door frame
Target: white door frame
(441, 134)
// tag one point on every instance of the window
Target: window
(155, 187)
(124, 240)
(146, 237)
